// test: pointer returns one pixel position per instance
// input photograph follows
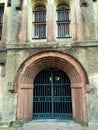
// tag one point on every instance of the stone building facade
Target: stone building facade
(44, 34)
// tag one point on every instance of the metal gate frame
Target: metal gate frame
(52, 95)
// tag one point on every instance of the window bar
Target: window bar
(35, 16)
(38, 29)
(67, 29)
(60, 30)
(67, 15)
(41, 17)
(37, 36)
(62, 16)
(44, 31)
(59, 15)
(41, 31)
(38, 20)
(35, 31)
(63, 30)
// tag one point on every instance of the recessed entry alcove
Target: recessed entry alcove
(52, 85)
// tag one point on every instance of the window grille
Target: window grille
(63, 22)
(39, 23)
(1, 18)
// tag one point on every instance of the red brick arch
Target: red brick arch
(65, 62)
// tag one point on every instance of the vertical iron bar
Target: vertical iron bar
(52, 91)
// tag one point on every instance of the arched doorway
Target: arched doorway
(52, 95)
(69, 65)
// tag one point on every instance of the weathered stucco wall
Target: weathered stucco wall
(84, 23)
(16, 55)
(84, 20)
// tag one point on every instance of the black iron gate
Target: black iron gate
(52, 95)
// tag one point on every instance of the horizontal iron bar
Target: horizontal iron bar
(53, 84)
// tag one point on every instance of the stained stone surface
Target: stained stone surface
(15, 51)
(50, 125)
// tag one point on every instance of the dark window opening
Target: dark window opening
(83, 3)
(1, 18)
(19, 6)
(9, 3)
(39, 23)
(52, 95)
(94, 0)
(63, 22)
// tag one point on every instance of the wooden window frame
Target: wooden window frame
(39, 23)
(63, 22)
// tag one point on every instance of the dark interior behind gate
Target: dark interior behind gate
(52, 95)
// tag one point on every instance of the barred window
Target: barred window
(39, 23)
(63, 22)
(1, 18)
